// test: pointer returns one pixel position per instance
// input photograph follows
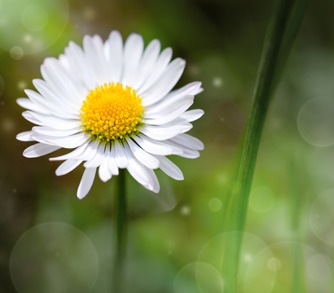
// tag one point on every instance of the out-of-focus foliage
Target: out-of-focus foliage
(176, 237)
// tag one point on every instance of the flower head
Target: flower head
(113, 104)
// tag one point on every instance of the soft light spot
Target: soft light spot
(185, 210)
(89, 13)
(7, 125)
(318, 270)
(16, 53)
(198, 277)
(322, 217)
(112, 112)
(27, 38)
(316, 122)
(22, 85)
(217, 82)
(262, 199)
(215, 204)
(274, 264)
(248, 257)
(34, 17)
(56, 254)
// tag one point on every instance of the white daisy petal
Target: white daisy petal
(93, 46)
(104, 172)
(192, 115)
(144, 176)
(166, 82)
(68, 142)
(53, 101)
(39, 149)
(97, 160)
(29, 105)
(113, 105)
(156, 147)
(56, 132)
(190, 154)
(164, 132)
(174, 98)
(77, 62)
(28, 115)
(192, 89)
(113, 168)
(25, 136)
(51, 121)
(159, 68)
(114, 55)
(67, 166)
(188, 141)
(50, 107)
(64, 62)
(133, 50)
(159, 109)
(59, 81)
(118, 152)
(170, 168)
(86, 182)
(186, 152)
(110, 161)
(90, 151)
(74, 154)
(148, 62)
(171, 113)
(154, 181)
(143, 157)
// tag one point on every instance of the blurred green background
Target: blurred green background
(52, 242)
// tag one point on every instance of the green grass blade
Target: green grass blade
(281, 34)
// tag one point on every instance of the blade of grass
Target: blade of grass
(281, 34)
(120, 234)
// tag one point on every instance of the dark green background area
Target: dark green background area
(175, 237)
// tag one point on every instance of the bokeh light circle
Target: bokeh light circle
(16, 53)
(316, 122)
(34, 17)
(262, 199)
(322, 217)
(318, 273)
(37, 24)
(313, 273)
(53, 257)
(251, 268)
(215, 204)
(198, 277)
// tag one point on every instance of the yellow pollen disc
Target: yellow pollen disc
(111, 112)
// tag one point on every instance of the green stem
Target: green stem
(277, 45)
(120, 233)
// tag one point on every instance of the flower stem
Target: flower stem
(120, 233)
(278, 42)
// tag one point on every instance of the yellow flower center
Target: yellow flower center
(111, 112)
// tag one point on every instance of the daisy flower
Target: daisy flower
(113, 104)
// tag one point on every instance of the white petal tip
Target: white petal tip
(26, 155)
(155, 190)
(81, 196)
(24, 136)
